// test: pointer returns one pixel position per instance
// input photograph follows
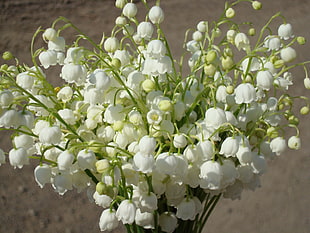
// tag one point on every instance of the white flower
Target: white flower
(50, 135)
(49, 34)
(2, 157)
(143, 162)
(145, 30)
(229, 147)
(147, 202)
(62, 183)
(48, 58)
(154, 117)
(264, 79)
(108, 220)
(166, 163)
(9, 119)
(230, 173)
(123, 56)
(65, 160)
(278, 145)
(145, 219)
(272, 43)
(65, 94)
(147, 145)
(6, 98)
(114, 113)
(179, 141)
(215, 117)
(102, 200)
(211, 175)
(86, 159)
(25, 80)
(294, 143)
(72, 73)
(258, 163)
(58, 44)
(18, 157)
(193, 154)
(156, 15)
(67, 115)
(231, 34)
(126, 212)
(307, 83)
(285, 31)
(130, 10)
(245, 93)
(156, 49)
(186, 209)
(168, 222)
(206, 148)
(74, 55)
(43, 175)
(111, 44)
(23, 140)
(244, 154)
(242, 41)
(288, 54)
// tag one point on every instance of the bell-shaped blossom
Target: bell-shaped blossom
(244, 154)
(102, 200)
(111, 44)
(86, 159)
(130, 10)
(215, 117)
(245, 173)
(43, 175)
(230, 173)
(62, 183)
(123, 56)
(193, 154)
(156, 15)
(65, 94)
(186, 209)
(72, 73)
(23, 140)
(126, 212)
(48, 58)
(147, 145)
(245, 93)
(50, 135)
(258, 163)
(101, 80)
(242, 41)
(145, 219)
(18, 157)
(278, 145)
(145, 30)
(168, 222)
(154, 117)
(58, 44)
(211, 175)
(74, 55)
(288, 54)
(6, 98)
(264, 79)
(67, 115)
(41, 111)
(147, 202)
(108, 220)
(272, 43)
(9, 119)
(206, 148)
(143, 162)
(49, 34)
(114, 113)
(65, 160)
(25, 80)
(80, 180)
(285, 31)
(166, 163)
(156, 49)
(229, 147)
(294, 142)
(179, 141)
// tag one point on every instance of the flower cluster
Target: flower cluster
(151, 145)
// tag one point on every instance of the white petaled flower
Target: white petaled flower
(108, 220)
(123, 56)
(43, 175)
(25, 80)
(179, 141)
(18, 157)
(166, 163)
(67, 115)
(245, 93)
(147, 145)
(258, 163)
(62, 183)
(211, 175)
(154, 117)
(74, 55)
(294, 142)
(50, 135)
(285, 31)
(230, 173)
(186, 209)
(278, 145)
(229, 147)
(242, 41)
(215, 117)
(72, 73)
(65, 94)
(156, 15)
(114, 113)
(272, 43)
(111, 44)
(9, 119)
(86, 159)
(48, 58)
(288, 54)
(145, 219)
(143, 162)
(49, 34)
(145, 30)
(206, 148)
(23, 140)
(102, 200)
(244, 154)
(126, 212)
(156, 49)
(264, 80)
(147, 202)
(168, 222)
(6, 98)
(65, 160)
(130, 10)
(58, 44)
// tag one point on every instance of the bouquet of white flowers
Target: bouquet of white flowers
(155, 146)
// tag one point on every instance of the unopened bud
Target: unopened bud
(256, 5)
(272, 132)
(230, 13)
(230, 89)
(210, 70)
(102, 165)
(116, 63)
(7, 55)
(301, 40)
(165, 105)
(148, 85)
(227, 63)
(278, 64)
(304, 110)
(211, 56)
(252, 32)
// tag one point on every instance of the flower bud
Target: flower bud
(111, 44)
(210, 70)
(165, 105)
(294, 142)
(304, 110)
(102, 166)
(230, 13)
(256, 5)
(148, 85)
(252, 32)
(7, 55)
(278, 63)
(116, 63)
(227, 63)
(230, 89)
(145, 30)
(197, 36)
(156, 15)
(211, 56)
(272, 132)
(288, 54)
(120, 21)
(120, 3)
(307, 83)
(301, 40)
(202, 26)
(49, 34)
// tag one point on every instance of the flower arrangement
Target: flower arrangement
(155, 146)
